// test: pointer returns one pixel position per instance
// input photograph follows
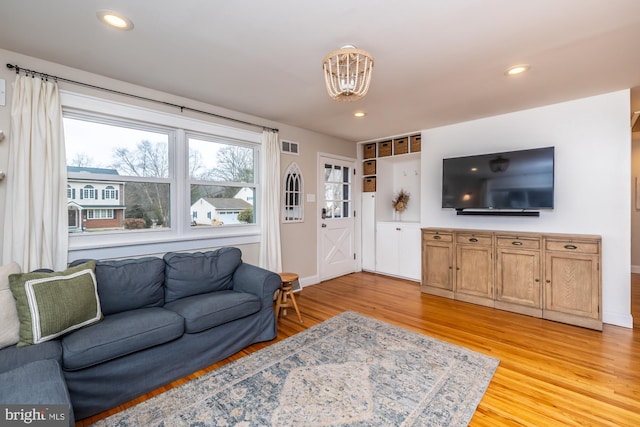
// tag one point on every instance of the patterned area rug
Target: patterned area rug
(350, 370)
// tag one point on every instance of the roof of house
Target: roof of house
(82, 169)
(222, 203)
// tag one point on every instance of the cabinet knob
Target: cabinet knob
(548, 281)
(398, 229)
(437, 237)
(570, 247)
(516, 243)
(537, 280)
(473, 240)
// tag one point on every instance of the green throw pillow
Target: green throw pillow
(52, 304)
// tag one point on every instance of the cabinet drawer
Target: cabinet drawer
(515, 242)
(438, 237)
(475, 239)
(572, 246)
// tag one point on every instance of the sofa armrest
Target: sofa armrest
(13, 357)
(255, 280)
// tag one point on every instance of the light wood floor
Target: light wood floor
(550, 374)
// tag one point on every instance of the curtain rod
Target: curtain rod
(181, 107)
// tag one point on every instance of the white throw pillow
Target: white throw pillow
(9, 332)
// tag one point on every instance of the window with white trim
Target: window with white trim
(110, 192)
(293, 209)
(148, 171)
(89, 192)
(221, 175)
(100, 214)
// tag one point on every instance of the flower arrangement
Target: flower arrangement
(400, 201)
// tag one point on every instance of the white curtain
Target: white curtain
(270, 248)
(35, 227)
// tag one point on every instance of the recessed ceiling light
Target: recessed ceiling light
(359, 114)
(114, 20)
(517, 69)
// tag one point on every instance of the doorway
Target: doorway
(336, 225)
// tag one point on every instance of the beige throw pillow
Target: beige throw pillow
(9, 324)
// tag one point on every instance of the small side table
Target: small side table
(286, 299)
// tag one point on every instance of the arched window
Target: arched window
(88, 192)
(293, 195)
(110, 192)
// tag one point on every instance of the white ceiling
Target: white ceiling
(437, 62)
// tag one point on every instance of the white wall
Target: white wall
(592, 142)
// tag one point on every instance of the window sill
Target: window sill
(124, 245)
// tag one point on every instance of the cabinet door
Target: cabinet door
(572, 284)
(398, 249)
(474, 273)
(368, 218)
(438, 265)
(409, 251)
(518, 277)
(387, 248)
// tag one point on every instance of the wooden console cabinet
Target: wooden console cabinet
(553, 276)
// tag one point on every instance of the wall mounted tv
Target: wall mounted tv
(512, 181)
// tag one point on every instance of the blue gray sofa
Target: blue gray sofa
(164, 318)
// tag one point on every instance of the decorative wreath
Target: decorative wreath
(400, 201)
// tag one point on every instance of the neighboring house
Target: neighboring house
(247, 194)
(94, 204)
(217, 210)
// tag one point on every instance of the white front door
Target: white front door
(336, 223)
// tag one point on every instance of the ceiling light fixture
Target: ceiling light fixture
(499, 164)
(114, 20)
(347, 73)
(359, 114)
(517, 69)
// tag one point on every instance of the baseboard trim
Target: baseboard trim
(619, 319)
(309, 280)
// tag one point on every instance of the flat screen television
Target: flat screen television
(514, 180)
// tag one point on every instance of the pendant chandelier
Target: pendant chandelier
(347, 73)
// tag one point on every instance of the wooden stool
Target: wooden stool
(286, 298)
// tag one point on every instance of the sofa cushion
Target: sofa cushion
(14, 357)
(206, 311)
(118, 335)
(36, 383)
(8, 314)
(130, 283)
(188, 274)
(52, 304)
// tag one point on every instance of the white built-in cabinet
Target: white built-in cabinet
(368, 222)
(391, 243)
(398, 249)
